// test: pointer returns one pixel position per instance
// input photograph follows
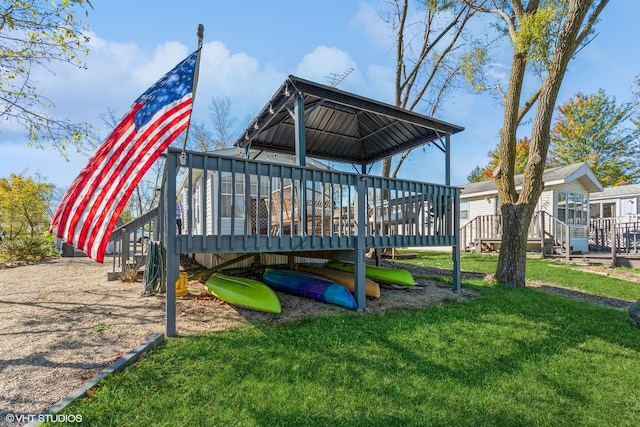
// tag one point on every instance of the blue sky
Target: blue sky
(251, 46)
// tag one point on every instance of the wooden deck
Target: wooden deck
(210, 226)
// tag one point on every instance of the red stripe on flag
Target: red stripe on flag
(103, 211)
(101, 246)
(90, 208)
(91, 179)
(64, 213)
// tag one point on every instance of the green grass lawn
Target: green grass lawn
(545, 270)
(513, 357)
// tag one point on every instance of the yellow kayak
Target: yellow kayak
(346, 279)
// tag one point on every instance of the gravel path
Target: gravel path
(62, 322)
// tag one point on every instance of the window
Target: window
(608, 210)
(264, 186)
(230, 201)
(464, 209)
(572, 208)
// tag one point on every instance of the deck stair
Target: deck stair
(546, 234)
(130, 243)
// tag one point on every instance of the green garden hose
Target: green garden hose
(153, 269)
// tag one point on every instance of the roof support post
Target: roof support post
(301, 144)
(360, 263)
(301, 159)
(447, 155)
(171, 242)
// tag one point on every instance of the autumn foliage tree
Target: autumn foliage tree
(591, 128)
(24, 204)
(485, 173)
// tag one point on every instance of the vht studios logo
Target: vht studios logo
(43, 418)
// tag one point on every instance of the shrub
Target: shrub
(29, 248)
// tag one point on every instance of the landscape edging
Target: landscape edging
(151, 343)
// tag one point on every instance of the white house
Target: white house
(237, 210)
(565, 197)
(613, 202)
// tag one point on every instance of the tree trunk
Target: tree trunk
(513, 248)
(517, 208)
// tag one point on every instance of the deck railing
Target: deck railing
(620, 234)
(543, 227)
(130, 240)
(241, 205)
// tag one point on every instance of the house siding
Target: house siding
(480, 206)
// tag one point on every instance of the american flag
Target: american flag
(91, 206)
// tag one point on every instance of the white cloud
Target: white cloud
(321, 64)
(237, 76)
(367, 21)
(496, 71)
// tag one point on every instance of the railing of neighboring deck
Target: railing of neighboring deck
(621, 234)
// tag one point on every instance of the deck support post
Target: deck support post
(171, 247)
(614, 244)
(455, 250)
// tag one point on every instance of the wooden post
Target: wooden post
(542, 236)
(568, 243)
(612, 230)
(172, 254)
(455, 250)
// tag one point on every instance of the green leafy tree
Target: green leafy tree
(33, 35)
(544, 36)
(486, 173)
(635, 115)
(591, 128)
(24, 206)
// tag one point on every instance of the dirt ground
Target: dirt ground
(63, 322)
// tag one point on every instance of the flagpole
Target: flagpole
(196, 72)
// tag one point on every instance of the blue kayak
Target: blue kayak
(309, 286)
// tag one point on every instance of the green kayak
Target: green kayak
(242, 291)
(393, 276)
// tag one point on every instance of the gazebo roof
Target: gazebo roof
(340, 126)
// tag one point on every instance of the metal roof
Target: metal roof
(629, 190)
(340, 126)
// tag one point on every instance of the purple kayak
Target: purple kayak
(309, 286)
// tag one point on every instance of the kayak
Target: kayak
(309, 286)
(392, 276)
(346, 279)
(242, 291)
